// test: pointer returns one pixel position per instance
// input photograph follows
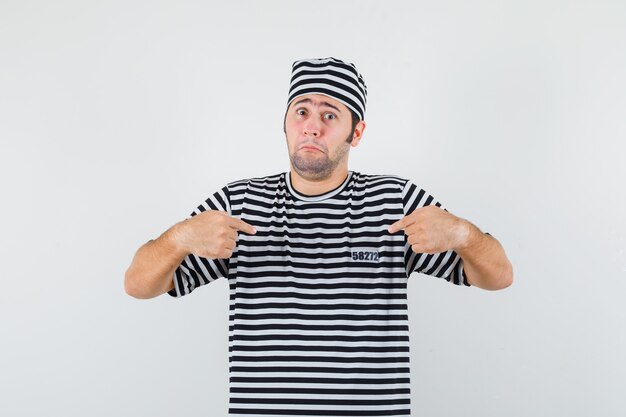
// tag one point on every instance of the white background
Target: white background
(118, 118)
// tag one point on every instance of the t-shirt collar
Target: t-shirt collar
(318, 197)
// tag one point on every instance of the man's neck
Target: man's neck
(309, 187)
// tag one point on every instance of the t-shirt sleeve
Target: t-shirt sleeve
(447, 265)
(195, 271)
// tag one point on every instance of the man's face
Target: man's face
(318, 130)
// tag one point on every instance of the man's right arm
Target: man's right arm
(152, 269)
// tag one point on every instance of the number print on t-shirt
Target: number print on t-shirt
(365, 255)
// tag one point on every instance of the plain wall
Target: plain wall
(118, 118)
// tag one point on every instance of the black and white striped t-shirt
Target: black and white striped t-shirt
(318, 321)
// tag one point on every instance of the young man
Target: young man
(317, 261)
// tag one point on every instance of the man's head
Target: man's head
(324, 116)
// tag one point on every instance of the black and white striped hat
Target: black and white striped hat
(332, 77)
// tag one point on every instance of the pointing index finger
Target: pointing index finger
(239, 224)
(400, 224)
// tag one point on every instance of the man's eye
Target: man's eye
(332, 116)
(300, 111)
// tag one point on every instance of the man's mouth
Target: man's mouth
(310, 148)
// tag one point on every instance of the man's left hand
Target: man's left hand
(431, 229)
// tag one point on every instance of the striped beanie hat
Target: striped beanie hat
(331, 77)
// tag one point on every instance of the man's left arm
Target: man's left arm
(431, 229)
(484, 260)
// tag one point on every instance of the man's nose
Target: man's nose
(312, 128)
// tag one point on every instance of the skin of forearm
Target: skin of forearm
(484, 260)
(150, 273)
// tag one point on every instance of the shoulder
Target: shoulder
(258, 181)
(387, 180)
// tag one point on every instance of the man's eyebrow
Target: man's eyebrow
(322, 103)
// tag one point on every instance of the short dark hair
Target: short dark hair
(354, 117)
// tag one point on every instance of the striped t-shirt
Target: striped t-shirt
(318, 322)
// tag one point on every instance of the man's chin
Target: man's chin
(312, 173)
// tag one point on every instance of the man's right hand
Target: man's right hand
(211, 234)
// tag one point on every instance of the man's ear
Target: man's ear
(358, 133)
